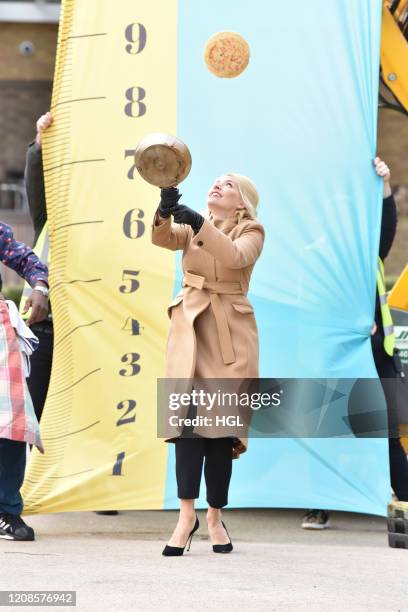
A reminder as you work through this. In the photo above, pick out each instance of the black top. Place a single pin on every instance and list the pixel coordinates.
(35, 188)
(34, 183)
(388, 231)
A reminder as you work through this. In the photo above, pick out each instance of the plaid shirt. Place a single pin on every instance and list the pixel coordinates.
(20, 258)
(17, 417)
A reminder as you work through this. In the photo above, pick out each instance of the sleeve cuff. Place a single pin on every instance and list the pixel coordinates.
(33, 146)
(39, 277)
(160, 222)
(204, 234)
(160, 227)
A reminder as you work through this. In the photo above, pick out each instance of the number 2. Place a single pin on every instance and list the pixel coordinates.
(124, 419)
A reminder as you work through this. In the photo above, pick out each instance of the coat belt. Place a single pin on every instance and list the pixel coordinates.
(215, 288)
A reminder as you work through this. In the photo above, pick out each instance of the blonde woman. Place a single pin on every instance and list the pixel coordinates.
(213, 334)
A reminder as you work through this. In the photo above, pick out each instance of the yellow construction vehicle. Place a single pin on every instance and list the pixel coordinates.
(394, 56)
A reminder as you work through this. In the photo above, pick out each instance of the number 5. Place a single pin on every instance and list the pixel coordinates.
(133, 282)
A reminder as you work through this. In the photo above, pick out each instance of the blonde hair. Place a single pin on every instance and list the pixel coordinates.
(249, 194)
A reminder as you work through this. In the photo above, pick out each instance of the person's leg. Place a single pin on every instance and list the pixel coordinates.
(189, 465)
(41, 362)
(12, 468)
(391, 382)
(398, 469)
(217, 472)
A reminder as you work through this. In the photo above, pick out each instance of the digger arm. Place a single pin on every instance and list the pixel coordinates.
(394, 51)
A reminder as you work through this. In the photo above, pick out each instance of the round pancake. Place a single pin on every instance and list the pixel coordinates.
(226, 54)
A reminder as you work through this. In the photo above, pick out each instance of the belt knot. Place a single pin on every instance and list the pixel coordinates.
(215, 289)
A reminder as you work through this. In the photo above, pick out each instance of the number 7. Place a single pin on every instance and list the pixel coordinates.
(131, 172)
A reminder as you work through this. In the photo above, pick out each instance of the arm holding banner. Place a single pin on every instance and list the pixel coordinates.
(34, 177)
(34, 182)
(389, 210)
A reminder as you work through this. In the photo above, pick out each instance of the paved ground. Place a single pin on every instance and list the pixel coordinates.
(116, 563)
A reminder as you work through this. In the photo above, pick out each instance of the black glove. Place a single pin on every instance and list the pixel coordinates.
(184, 214)
(169, 197)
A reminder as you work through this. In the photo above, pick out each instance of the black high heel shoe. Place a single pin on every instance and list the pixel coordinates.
(177, 551)
(223, 548)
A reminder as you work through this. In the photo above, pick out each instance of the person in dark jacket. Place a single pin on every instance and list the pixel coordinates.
(41, 360)
(388, 366)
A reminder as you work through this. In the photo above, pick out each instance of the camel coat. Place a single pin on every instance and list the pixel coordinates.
(213, 332)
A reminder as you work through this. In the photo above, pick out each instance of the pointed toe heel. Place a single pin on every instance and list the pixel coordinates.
(178, 551)
(223, 548)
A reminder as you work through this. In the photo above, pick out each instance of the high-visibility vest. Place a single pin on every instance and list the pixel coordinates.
(389, 336)
(42, 250)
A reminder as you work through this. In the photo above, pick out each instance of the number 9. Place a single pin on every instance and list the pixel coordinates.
(135, 33)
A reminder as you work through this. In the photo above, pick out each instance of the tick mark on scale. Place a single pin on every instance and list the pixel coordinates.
(85, 35)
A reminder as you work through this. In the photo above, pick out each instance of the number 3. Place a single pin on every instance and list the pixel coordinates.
(133, 367)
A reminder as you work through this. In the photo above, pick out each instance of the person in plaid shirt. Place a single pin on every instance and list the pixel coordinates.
(18, 424)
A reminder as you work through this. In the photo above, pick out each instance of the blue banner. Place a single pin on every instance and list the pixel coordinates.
(301, 122)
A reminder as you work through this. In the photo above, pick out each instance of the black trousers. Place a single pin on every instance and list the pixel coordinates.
(41, 362)
(389, 372)
(216, 455)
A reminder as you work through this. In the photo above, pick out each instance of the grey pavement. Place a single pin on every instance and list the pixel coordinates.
(115, 563)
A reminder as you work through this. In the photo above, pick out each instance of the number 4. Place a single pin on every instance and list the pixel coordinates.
(133, 326)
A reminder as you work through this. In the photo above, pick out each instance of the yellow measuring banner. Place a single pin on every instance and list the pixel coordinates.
(109, 285)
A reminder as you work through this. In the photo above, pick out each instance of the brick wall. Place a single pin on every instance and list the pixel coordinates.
(21, 103)
(25, 87)
(40, 65)
(25, 94)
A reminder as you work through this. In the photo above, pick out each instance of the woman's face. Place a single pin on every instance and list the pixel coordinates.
(224, 197)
